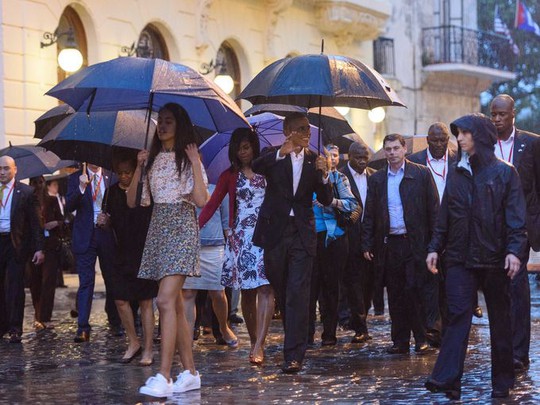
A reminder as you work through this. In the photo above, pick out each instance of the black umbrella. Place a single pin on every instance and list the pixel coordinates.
(318, 81)
(33, 161)
(51, 118)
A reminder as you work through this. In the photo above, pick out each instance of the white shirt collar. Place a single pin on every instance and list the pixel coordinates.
(10, 183)
(299, 155)
(402, 168)
(510, 138)
(91, 173)
(354, 172)
(431, 158)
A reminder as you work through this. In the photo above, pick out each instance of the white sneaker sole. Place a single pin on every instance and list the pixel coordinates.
(191, 387)
(148, 391)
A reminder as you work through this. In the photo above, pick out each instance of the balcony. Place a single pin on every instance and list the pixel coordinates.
(456, 50)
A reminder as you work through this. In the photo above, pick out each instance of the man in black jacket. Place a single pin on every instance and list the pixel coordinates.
(481, 228)
(21, 237)
(286, 229)
(521, 149)
(401, 210)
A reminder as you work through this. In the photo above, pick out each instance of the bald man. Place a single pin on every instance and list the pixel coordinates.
(522, 149)
(21, 238)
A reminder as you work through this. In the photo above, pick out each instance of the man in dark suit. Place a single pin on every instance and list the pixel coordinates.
(286, 229)
(522, 149)
(359, 276)
(90, 240)
(439, 159)
(401, 211)
(21, 237)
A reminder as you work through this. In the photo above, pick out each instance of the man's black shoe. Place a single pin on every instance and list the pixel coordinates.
(520, 365)
(421, 348)
(397, 349)
(360, 338)
(15, 337)
(82, 337)
(500, 393)
(291, 367)
(329, 342)
(477, 312)
(235, 319)
(116, 330)
(74, 313)
(450, 392)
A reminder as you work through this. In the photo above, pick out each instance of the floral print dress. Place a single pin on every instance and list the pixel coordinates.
(244, 267)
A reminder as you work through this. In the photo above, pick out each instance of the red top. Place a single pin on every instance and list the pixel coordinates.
(225, 184)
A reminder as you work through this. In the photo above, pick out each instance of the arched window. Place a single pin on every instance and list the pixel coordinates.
(227, 64)
(151, 44)
(71, 20)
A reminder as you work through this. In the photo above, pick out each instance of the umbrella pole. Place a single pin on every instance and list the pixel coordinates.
(319, 135)
(143, 171)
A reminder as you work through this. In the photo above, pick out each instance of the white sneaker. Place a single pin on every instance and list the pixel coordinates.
(157, 386)
(187, 382)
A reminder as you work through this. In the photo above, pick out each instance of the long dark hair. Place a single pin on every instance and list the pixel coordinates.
(185, 134)
(238, 136)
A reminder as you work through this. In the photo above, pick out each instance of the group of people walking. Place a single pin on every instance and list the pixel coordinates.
(290, 228)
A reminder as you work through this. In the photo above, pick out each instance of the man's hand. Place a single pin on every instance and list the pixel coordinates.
(83, 181)
(287, 147)
(38, 258)
(322, 163)
(103, 220)
(368, 256)
(512, 264)
(355, 216)
(431, 262)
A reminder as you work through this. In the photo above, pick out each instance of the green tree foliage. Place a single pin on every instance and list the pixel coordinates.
(525, 89)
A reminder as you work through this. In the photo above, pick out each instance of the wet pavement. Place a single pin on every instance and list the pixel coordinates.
(48, 368)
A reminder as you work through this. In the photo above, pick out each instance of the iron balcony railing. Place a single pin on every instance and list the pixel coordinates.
(383, 52)
(453, 44)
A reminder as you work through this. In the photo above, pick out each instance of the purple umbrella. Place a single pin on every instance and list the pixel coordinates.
(269, 127)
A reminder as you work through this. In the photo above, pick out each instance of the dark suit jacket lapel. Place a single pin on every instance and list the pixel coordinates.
(289, 173)
(354, 188)
(15, 197)
(519, 148)
(308, 161)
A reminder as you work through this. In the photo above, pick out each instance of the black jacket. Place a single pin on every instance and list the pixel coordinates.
(482, 217)
(279, 199)
(420, 205)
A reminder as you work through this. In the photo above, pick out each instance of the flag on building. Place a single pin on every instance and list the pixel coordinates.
(501, 28)
(524, 20)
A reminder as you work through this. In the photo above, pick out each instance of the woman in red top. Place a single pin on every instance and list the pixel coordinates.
(243, 267)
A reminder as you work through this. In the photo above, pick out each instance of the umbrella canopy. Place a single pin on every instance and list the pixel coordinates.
(51, 118)
(269, 128)
(140, 83)
(94, 138)
(335, 127)
(414, 144)
(33, 161)
(320, 80)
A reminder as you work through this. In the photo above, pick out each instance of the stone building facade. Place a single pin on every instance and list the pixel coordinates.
(243, 36)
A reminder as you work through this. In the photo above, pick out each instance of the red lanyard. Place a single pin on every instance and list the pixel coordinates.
(443, 175)
(2, 205)
(97, 189)
(510, 154)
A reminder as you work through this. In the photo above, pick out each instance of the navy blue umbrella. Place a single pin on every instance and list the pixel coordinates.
(140, 83)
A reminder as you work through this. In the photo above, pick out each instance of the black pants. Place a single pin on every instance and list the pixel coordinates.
(520, 298)
(288, 267)
(11, 288)
(327, 271)
(43, 280)
(461, 289)
(402, 279)
(359, 283)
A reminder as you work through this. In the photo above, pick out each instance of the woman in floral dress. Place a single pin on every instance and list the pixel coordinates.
(177, 183)
(244, 266)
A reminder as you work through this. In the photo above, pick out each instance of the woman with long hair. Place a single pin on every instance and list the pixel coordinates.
(244, 266)
(176, 183)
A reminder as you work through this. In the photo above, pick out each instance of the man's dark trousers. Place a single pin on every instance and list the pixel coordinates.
(102, 247)
(288, 267)
(461, 290)
(12, 288)
(404, 291)
(520, 294)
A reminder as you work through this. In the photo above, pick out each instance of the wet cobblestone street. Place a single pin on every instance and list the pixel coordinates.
(48, 368)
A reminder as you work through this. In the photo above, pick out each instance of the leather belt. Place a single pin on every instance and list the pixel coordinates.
(398, 236)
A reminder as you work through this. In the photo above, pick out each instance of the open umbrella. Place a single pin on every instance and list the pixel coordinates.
(140, 83)
(269, 128)
(51, 118)
(96, 137)
(318, 81)
(34, 160)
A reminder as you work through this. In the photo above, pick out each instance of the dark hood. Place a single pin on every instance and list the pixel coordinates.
(484, 135)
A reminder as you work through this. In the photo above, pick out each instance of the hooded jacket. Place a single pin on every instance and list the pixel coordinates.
(482, 215)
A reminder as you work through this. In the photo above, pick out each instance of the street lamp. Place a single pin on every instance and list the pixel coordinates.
(70, 58)
(222, 79)
(376, 115)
